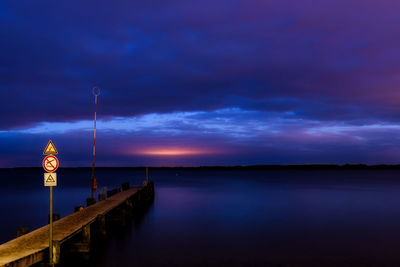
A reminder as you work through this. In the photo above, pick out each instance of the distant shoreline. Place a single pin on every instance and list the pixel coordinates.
(254, 167)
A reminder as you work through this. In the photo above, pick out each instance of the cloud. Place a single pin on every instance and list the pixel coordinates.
(169, 57)
(277, 81)
(227, 137)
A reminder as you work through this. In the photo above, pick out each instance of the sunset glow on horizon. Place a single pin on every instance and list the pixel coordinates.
(173, 152)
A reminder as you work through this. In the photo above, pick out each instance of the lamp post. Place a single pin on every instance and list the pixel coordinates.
(96, 92)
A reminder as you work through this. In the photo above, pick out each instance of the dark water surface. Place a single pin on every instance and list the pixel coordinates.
(229, 218)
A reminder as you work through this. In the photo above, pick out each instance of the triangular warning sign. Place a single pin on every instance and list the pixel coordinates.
(50, 179)
(50, 149)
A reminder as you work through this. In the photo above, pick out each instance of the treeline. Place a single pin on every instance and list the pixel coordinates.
(263, 167)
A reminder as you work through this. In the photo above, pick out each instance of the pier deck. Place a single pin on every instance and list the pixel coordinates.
(33, 247)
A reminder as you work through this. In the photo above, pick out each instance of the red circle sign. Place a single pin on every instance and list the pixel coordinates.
(50, 163)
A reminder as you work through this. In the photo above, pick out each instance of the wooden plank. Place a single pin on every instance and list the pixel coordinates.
(30, 248)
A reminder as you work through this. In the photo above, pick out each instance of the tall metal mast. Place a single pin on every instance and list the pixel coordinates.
(96, 92)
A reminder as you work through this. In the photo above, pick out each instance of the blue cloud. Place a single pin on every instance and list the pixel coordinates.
(259, 77)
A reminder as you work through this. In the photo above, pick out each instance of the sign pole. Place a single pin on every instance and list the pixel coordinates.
(51, 227)
(96, 92)
(50, 165)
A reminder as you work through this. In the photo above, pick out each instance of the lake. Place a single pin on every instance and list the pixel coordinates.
(229, 217)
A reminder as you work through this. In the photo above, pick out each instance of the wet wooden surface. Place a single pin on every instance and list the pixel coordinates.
(32, 246)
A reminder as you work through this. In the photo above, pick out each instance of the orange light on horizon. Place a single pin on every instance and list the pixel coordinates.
(173, 152)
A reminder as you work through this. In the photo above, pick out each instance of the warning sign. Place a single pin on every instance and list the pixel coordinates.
(50, 149)
(50, 163)
(50, 179)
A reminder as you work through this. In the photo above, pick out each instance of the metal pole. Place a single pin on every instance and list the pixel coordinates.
(96, 92)
(147, 176)
(51, 228)
(94, 141)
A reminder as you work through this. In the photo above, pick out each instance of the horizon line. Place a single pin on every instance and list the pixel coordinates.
(266, 166)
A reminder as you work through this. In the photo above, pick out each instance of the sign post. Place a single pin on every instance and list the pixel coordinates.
(51, 228)
(50, 165)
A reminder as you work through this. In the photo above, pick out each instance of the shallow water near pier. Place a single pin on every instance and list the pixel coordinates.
(229, 218)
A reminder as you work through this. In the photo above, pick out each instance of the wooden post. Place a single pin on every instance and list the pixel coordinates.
(123, 215)
(84, 245)
(147, 176)
(101, 222)
(102, 197)
(118, 215)
(128, 207)
(86, 234)
(22, 231)
(90, 201)
(56, 252)
(125, 186)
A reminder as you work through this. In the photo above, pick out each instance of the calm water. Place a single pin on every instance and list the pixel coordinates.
(230, 218)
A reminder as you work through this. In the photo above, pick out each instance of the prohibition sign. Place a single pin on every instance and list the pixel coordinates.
(50, 163)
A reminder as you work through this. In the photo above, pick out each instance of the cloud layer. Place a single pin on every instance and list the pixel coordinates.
(221, 137)
(250, 82)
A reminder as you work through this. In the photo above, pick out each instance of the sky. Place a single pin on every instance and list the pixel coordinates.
(195, 83)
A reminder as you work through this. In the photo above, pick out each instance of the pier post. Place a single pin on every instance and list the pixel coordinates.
(125, 186)
(83, 246)
(56, 252)
(78, 208)
(119, 215)
(122, 215)
(101, 223)
(102, 197)
(22, 231)
(90, 201)
(129, 206)
(86, 234)
(147, 176)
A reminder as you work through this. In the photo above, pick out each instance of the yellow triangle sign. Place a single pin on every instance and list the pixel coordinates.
(50, 149)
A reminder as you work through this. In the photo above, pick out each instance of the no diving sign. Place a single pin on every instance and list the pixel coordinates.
(50, 163)
(50, 179)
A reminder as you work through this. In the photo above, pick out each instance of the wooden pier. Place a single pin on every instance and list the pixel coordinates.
(33, 247)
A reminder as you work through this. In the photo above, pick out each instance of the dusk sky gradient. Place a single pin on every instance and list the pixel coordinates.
(194, 83)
